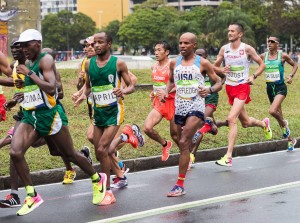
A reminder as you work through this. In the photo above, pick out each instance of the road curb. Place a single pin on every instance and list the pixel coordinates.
(154, 162)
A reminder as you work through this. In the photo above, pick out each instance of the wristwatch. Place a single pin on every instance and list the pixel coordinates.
(29, 73)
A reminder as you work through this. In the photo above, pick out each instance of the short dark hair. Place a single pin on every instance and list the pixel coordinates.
(274, 37)
(107, 36)
(165, 45)
(239, 25)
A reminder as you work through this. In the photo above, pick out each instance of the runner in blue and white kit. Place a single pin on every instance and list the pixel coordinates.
(186, 73)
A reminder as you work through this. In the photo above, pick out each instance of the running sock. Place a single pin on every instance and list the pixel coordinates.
(14, 192)
(30, 191)
(95, 178)
(180, 180)
(121, 165)
(124, 137)
(206, 128)
(166, 143)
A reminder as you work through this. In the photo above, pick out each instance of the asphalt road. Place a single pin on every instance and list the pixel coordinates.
(258, 188)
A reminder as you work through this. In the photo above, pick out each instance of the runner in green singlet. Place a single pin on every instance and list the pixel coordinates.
(276, 87)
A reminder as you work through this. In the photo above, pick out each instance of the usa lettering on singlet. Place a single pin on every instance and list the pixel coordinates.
(187, 80)
(239, 64)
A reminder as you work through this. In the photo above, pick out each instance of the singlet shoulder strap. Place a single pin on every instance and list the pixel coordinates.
(197, 61)
(179, 59)
(266, 56)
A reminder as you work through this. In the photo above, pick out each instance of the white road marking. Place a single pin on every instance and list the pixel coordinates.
(199, 203)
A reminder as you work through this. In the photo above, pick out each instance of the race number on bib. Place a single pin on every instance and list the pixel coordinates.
(187, 89)
(207, 81)
(32, 97)
(159, 86)
(272, 73)
(236, 73)
(104, 96)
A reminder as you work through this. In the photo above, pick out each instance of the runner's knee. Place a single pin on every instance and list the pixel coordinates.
(272, 112)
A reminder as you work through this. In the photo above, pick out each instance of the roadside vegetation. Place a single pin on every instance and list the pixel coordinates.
(138, 106)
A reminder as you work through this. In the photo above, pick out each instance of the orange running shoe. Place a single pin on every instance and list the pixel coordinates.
(132, 139)
(166, 151)
(108, 199)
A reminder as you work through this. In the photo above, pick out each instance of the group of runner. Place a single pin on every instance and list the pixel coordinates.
(185, 92)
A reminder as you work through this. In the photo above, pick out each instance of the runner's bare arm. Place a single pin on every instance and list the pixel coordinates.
(48, 85)
(289, 60)
(217, 64)
(7, 70)
(207, 68)
(250, 51)
(4, 66)
(170, 84)
(60, 90)
(123, 72)
(82, 94)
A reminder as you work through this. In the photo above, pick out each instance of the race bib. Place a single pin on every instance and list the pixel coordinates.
(90, 99)
(159, 86)
(104, 96)
(207, 81)
(187, 89)
(32, 98)
(236, 73)
(272, 73)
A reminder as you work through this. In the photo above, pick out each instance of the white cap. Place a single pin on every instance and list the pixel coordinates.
(28, 35)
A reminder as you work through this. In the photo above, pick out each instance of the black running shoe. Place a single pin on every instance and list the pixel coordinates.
(11, 201)
(87, 153)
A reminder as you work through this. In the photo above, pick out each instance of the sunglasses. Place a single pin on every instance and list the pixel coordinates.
(89, 44)
(272, 41)
(16, 46)
(199, 54)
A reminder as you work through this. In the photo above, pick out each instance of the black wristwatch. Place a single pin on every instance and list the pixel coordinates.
(29, 73)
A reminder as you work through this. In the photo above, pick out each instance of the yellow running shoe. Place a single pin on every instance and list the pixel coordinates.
(225, 161)
(30, 204)
(69, 177)
(99, 189)
(192, 156)
(267, 129)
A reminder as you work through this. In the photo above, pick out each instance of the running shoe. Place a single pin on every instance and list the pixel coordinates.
(10, 132)
(137, 132)
(11, 201)
(108, 199)
(190, 164)
(119, 183)
(225, 161)
(267, 129)
(196, 136)
(124, 169)
(291, 144)
(87, 153)
(99, 189)
(286, 132)
(132, 139)
(69, 177)
(166, 151)
(30, 204)
(176, 191)
(214, 128)
(192, 156)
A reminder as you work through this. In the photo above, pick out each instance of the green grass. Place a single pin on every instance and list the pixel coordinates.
(137, 108)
